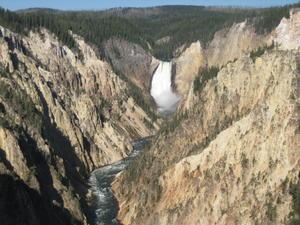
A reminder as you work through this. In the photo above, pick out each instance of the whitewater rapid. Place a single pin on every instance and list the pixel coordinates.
(161, 89)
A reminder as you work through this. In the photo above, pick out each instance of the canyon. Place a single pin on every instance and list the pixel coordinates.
(62, 118)
(235, 154)
(221, 121)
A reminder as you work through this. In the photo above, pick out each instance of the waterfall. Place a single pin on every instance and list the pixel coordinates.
(161, 89)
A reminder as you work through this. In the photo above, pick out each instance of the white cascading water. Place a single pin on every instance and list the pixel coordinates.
(161, 89)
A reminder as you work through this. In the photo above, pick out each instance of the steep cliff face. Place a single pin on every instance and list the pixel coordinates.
(132, 61)
(232, 43)
(231, 158)
(62, 115)
(228, 44)
(288, 32)
(230, 155)
(186, 67)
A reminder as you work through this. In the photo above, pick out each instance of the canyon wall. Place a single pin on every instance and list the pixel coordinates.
(63, 113)
(187, 66)
(232, 156)
(228, 45)
(229, 156)
(132, 61)
(232, 43)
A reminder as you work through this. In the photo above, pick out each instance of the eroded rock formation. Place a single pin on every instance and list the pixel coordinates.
(234, 156)
(63, 114)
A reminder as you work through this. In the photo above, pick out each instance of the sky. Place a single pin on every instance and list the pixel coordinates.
(105, 4)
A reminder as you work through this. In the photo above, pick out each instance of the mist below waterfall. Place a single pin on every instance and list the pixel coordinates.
(161, 89)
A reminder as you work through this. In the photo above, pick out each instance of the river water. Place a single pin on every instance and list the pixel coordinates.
(105, 204)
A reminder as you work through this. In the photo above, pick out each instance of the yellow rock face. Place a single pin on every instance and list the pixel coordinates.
(233, 43)
(232, 159)
(187, 66)
(88, 119)
(287, 33)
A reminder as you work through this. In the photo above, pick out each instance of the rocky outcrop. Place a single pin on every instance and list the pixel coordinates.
(63, 113)
(229, 156)
(163, 40)
(288, 32)
(228, 45)
(232, 43)
(187, 66)
(233, 157)
(132, 61)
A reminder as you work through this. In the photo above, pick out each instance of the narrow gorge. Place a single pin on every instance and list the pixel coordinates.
(169, 115)
(105, 204)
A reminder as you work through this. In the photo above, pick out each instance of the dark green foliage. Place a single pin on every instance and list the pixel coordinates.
(134, 168)
(136, 93)
(3, 72)
(105, 104)
(22, 105)
(171, 124)
(245, 161)
(203, 77)
(271, 211)
(103, 107)
(295, 192)
(183, 24)
(298, 63)
(257, 53)
(148, 124)
(14, 60)
(22, 23)
(265, 20)
(96, 29)
(268, 19)
(260, 51)
(294, 222)
(117, 52)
